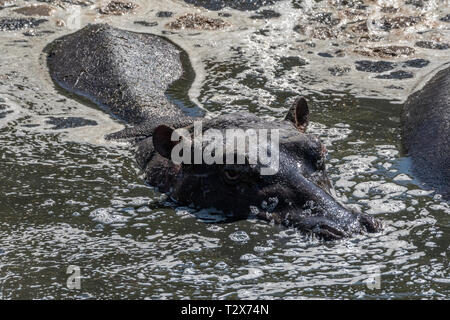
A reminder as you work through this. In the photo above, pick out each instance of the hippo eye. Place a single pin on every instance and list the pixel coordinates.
(231, 175)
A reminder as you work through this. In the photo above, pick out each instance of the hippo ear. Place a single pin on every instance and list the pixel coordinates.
(298, 114)
(162, 140)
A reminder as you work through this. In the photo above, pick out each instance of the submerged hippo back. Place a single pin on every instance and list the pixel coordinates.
(125, 71)
(426, 131)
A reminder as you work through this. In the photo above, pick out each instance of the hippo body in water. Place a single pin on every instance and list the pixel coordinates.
(129, 73)
(426, 131)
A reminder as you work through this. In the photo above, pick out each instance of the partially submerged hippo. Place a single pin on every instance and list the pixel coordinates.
(129, 73)
(426, 132)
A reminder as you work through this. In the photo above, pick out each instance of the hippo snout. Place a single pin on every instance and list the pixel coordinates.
(314, 210)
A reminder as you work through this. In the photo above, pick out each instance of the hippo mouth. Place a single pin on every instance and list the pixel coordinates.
(325, 227)
(328, 229)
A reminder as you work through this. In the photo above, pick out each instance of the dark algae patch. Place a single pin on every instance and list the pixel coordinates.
(164, 14)
(4, 110)
(70, 122)
(265, 14)
(432, 45)
(36, 10)
(374, 66)
(325, 18)
(12, 24)
(234, 4)
(398, 75)
(146, 23)
(82, 3)
(287, 63)
(325, 55)
(338, 71)
(416, 63)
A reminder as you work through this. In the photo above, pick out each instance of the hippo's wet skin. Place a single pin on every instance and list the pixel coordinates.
(125, 72)
(426, 132)
(129, 73)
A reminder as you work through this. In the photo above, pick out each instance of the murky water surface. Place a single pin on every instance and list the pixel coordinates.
(68, 197)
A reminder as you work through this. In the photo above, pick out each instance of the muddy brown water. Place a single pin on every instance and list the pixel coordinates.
(70, 198)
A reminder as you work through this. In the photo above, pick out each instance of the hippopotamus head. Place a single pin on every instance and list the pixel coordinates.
(292, 188)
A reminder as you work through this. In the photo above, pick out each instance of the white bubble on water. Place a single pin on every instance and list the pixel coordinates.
(247, 257)
(239, 236)
(221, 265)
(144, 209)
(378, 206)
(107, 216)
(402, 177)
(253, 273)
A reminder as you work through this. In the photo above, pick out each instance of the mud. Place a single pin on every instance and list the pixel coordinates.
(118, 8)
(42, 10)
(385, 51)
(390, 23)
(198, 22)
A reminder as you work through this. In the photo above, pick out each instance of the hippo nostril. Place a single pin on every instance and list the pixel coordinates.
(370, 223)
